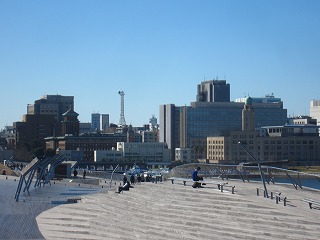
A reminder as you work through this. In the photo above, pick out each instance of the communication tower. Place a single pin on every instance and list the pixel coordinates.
(122, 121)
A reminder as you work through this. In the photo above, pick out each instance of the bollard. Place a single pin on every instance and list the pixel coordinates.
(277, 199)
(271, 195)
(221, 188)
(232, 189)
(102, 186)
(285, 201)
(54, 182)
(6, 177)
(257, 191)
(79, 184)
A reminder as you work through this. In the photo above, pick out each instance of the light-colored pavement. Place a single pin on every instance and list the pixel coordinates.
(18, 219)
(174, 211)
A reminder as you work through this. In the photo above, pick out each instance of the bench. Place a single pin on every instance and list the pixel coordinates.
(220, 184)
(311, 202)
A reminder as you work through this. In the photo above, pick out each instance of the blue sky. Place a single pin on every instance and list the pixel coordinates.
(156, 52)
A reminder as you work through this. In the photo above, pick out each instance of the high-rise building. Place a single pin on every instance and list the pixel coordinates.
(295, 143)
(51, 105)
(170, 126)
(315, 110)
(99, 121)
(104, 121)
(213, 91)
(189, 126)
(95, 121)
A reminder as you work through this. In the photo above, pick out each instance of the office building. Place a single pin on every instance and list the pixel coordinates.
(213, 91)
(51, 105)
(152, 154)
(189, 126)
(315, 110)
(99, 121)
(298, 144)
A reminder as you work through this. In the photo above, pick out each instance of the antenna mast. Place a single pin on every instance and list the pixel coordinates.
(122, 121)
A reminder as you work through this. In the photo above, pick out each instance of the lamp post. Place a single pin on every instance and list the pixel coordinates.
(260, 169)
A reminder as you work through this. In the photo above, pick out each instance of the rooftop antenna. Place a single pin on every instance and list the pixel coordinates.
(122, 121)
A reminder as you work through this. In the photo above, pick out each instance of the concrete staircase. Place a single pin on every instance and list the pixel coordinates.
(172, 211)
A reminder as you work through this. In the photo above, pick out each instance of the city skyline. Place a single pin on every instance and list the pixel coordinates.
(156, 52)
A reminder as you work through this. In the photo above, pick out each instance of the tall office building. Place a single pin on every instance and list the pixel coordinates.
(51, 105)
(315, 110)
(104, 121)
(99, 121)
(213, 91)
(189, 126)
(170, 126)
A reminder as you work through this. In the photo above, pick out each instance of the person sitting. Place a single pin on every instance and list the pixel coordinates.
(196, 178)
(125, 187)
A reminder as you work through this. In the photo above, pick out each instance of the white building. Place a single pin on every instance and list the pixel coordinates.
(315, 110)
(183, 155)
(149, 153)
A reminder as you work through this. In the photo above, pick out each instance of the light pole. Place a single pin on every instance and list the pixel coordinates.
(260, 169)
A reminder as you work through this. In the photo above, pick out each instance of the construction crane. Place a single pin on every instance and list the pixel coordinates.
(122, 121)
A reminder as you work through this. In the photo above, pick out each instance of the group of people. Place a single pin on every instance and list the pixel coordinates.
(75, 173)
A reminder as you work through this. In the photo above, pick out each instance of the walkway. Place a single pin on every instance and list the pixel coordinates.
(18, 219)
(172, 211)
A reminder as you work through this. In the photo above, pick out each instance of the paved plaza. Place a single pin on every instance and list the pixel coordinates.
(157, 211)
(18, 219)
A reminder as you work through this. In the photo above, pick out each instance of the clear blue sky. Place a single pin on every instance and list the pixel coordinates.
(156, 52)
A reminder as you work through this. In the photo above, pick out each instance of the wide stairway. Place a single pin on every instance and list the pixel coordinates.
(173, 211)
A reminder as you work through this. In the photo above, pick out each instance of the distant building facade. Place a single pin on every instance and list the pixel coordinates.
(84, 127)
(150, 154)
(299, 144)
(51, 105)
(189, 126)
(315, 110)
(35, 128)
(213, 91)
(183, 155)
(88, 143)
(99, 121)
(302, 120)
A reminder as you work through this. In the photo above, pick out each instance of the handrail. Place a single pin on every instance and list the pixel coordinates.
(111, 178)
(272, 174)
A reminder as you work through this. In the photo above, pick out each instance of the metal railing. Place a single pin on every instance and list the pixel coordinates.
(250, 173)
